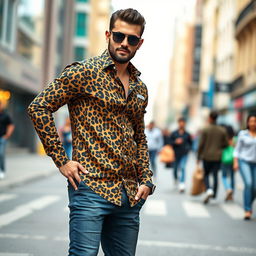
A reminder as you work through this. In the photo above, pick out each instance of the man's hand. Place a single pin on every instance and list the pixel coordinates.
(143, 192)
(71, 171)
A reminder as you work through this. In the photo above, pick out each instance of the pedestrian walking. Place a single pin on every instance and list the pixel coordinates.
(109, 176)
(212, 141)
(181, 142)
(166, 141)
(155, 143)
(6, 130)
(66, 135)
(245, 161)
(227, 159)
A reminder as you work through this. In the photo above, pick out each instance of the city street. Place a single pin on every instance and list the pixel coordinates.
(34, 221)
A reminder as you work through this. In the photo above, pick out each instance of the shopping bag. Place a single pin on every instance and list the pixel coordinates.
(198, 186)
(166, 154)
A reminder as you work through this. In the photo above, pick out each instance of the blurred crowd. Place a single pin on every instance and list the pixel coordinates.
(217, 147)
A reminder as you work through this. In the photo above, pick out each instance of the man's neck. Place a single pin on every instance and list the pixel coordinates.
(121, 69)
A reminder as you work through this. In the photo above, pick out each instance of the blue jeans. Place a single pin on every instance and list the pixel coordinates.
(68, 148)
(152, 158)
(93, 220)
(248, 173)
(228, 176)
(2, 154)
(180, 163)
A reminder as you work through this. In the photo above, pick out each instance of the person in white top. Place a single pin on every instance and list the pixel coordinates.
(155, 143)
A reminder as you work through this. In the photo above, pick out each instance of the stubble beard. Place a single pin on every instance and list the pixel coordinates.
(118, 59)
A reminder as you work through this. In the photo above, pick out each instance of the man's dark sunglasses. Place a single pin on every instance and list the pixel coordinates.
(119, 37)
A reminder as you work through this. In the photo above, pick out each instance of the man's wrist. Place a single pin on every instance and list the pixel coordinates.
(151, 186)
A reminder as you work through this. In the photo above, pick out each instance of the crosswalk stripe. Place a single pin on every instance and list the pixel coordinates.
(155, 207)
(26, 209)
(234, 211)
(14, 254)
(195, 210)
(6, 197)
(201, 247)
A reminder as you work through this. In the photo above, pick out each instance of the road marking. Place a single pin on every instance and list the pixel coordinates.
(155, 207)
(20, 236)
(202, 247)
(14, 254)
(148, 243)
(26, 209)
(233, 210)
(195, 210)
(6, 197)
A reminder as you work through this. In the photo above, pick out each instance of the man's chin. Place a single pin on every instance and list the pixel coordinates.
(121, 60)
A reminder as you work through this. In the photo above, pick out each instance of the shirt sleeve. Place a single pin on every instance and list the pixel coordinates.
(201, 145)
(144, 173)
(8, 120)
(58, 93)
(160, 140)
(238, 146)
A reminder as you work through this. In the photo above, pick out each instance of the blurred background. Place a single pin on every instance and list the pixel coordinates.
(197, 55)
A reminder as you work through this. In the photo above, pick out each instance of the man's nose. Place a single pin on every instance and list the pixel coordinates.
(125, 42)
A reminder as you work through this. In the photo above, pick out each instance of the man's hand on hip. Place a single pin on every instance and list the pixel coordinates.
(143, 192)
(71, 171)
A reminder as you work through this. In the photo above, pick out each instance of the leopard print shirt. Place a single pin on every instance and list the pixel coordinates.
(107, 129)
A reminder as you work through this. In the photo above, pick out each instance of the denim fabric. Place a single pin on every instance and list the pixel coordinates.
(248, 173)
(152, 158)
(211, 167)
(180, 163)
(228, 178)
(94, 220)
(2, 154)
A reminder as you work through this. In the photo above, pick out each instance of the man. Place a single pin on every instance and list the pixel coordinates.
(213, 140)
(109, 176)
(155, 143)
(181, 142)
(6, 130)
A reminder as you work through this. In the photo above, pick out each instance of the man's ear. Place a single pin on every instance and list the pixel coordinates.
(107, 34)
(140, 43)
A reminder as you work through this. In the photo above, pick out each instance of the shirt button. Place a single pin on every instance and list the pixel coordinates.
(123, 126)
(125, 156)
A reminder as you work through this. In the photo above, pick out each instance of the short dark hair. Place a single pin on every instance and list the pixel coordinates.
(248, 119)
(130, 16)
(213, 115)
(182, 119)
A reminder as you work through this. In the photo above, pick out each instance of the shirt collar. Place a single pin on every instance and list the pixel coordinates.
(107, 62)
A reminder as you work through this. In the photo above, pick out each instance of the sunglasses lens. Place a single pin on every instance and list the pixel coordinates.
(118, 37)
(133, 40)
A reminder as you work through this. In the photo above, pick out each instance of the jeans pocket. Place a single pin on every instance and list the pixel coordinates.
(141, 202)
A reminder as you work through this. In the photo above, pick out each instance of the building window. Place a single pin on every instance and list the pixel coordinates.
(1, 18)
(81, 24)
(80, 53)
(30, 30)
(7, 22)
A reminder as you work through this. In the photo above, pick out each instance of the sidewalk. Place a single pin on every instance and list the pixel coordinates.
(25, 167)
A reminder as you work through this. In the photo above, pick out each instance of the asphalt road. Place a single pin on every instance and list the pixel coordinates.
(34, 221)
